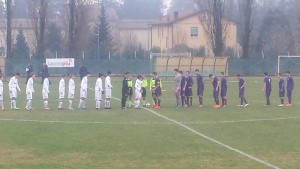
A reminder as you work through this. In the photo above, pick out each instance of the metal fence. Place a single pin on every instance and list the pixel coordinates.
(248, 67)
(94, 66)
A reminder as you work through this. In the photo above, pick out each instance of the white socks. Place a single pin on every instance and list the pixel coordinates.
(107, 103)
(61, 105)
(45, 104)
(81, 104)
(98, 104)
(70, 104)
(29, 104)
(137, 104)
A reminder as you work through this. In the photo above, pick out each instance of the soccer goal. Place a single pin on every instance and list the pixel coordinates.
(288, 63)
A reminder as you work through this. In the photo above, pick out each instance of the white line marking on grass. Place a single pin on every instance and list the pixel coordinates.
(146, 123)
(210, 139)
(240, 121)
(85, 122)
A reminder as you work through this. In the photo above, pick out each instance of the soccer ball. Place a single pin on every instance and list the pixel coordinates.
(148, 105)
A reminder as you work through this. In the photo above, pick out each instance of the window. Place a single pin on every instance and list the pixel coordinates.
(194, 32)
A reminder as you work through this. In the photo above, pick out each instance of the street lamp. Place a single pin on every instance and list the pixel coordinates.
(98, 50)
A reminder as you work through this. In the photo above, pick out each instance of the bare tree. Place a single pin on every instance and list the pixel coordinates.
(38, 10)
(76, 26)
(246, 7)
(8, 5)
(213, 24)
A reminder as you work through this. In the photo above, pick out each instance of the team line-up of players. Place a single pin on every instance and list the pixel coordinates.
(182, 90)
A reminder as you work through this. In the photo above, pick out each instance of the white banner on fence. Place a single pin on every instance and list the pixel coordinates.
(62, 62)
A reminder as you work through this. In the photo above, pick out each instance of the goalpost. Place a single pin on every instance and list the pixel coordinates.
(279, 62)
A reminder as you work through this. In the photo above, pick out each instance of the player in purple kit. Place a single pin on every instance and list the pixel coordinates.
(182, 89)
(224, 89)
(267, 87)
(242, 84)
(281, 90)
(189, 89)
(215, 84)
(289, 87)
(156, 90)
(200, 87)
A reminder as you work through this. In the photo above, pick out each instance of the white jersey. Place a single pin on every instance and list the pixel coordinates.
(1, 90)
(29, 86)
(138, 85)
(84, 83)
(62, 86)
(13, 84)
(98, 85)
(71, 86)
(46, 86)
(108, 83)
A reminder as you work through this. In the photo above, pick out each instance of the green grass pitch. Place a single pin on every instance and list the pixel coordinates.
(141, 139)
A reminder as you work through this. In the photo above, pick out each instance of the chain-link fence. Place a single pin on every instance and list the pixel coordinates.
(248, 67)
(94, 66)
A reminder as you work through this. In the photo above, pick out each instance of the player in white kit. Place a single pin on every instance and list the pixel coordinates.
(83, 91)
(46, 91)
(98, 91)
(138, 91)
(71, 91)
(108, 88)
(29, 91)
(13, 86)
(61, 92)
(1, 94)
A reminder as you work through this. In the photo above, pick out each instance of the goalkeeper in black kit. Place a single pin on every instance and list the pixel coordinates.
(125, 89)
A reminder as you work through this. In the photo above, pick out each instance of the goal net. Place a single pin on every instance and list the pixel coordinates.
(288, 63)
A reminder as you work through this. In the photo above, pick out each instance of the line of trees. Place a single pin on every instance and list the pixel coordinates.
(269, 27)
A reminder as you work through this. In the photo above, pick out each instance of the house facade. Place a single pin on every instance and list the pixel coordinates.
(188, 28)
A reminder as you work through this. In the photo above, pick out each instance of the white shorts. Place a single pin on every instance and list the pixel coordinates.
(13, 94)
(108, 93)
(98, 95)
(71, 95)
(29, 95)
(138, 94)
(83, 93)
(61, 95)
(45, 95)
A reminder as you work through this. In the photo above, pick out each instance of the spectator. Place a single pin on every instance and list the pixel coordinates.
(29, 70)
(82, 71)
(45, 72)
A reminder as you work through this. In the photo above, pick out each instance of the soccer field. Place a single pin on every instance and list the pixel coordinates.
(255, 137)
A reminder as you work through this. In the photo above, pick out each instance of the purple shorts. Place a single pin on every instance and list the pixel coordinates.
(241, 93)
(216, 94)
(223, 92)
(189, 92)
(281, 93)
(200, 92)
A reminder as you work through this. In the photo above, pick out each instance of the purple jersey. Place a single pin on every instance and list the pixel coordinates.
(290, 83)
(223, 83)
(215, 84)
(157, 91)
(281, 88)
(200, 84)
(189, 82)
(268, 82)
(281, 85)
(241, 90)
(183, 82)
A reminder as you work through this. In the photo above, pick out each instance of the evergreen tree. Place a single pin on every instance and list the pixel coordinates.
(54, 42)
(105, 40)
(21, 49)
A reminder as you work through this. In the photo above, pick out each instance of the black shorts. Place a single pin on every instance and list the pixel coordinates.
(144, 92)
(130, 91)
